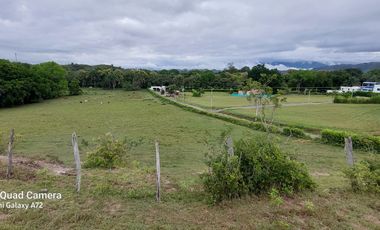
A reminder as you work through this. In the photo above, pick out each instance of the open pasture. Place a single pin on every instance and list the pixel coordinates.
(224, 99)
(351, 117)
(124, 198)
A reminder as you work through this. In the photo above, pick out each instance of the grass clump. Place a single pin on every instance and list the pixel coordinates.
(258, 166)
(108, 153)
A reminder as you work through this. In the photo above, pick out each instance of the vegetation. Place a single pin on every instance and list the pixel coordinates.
(258, 167)
(357, 100)
(363, 118)
(108, 153)
(222, 100)
(22, 83)
(295, 132)
(365, 176)
(125, 197)
(231, 78)
(369, 143)
(197, 93)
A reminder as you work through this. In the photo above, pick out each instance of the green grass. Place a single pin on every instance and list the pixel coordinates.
(351, 117)
(223, 99)
(124, 198)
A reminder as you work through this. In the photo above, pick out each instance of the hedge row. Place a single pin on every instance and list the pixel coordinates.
(242, 122)
(357, 100)
(295, 132)
(365, 142)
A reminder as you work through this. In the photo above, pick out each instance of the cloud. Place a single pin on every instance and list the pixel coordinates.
(189, 34)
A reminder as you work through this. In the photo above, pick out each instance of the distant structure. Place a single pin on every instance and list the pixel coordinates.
(371, 87)
(347, 89)
(366, 87)
(161, 89)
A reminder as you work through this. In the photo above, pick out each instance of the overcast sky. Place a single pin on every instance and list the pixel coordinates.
(189, 33)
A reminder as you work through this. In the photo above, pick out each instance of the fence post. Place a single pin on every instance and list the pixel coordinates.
(158, 179)
(230, 146)
(74, 142)
(10, 154)
(348, 149)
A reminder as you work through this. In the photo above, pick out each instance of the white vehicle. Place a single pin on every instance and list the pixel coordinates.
(346, 89)
(371, 87)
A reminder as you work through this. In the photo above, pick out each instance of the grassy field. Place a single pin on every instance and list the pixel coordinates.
(223, 99)
(351, 117)
(124, 198)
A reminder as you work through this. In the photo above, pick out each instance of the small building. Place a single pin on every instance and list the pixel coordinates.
(371, 87)
(347, 89)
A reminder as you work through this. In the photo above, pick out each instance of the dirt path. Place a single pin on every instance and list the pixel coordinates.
(57, 169)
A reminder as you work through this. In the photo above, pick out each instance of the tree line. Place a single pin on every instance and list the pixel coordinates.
(22, 83)
(110, 77)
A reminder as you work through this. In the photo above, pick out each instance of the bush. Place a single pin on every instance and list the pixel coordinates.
(108, 153)
(357, 100)
(257, 167)
(225, 180)
(359, 141)
(363, 94)
(365, 176)
(295, 132)
(197, 93)
(74, 87)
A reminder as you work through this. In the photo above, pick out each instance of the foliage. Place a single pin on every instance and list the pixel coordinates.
(275, 197)
(363, 94)
(74, 87)
(197, 93)
(225, 180)
(357, 100)
(22, 83)
(360, 141)
(108, 153)
(295, 132)
(258, 166)
(365, 176)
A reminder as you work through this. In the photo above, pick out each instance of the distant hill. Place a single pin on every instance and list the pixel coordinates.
(365, 67)
(298, 64)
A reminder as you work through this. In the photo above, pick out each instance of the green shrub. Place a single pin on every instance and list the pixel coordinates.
(258, 166)
(197, 93)
(365, 142)
(224, 181)
(357, 100)
(108, 153)
(363, 94)
(365, 176)
(295, 132)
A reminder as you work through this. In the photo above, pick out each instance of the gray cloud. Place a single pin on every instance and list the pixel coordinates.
(189, 34)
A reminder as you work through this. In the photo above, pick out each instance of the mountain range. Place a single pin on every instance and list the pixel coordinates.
(365, 67)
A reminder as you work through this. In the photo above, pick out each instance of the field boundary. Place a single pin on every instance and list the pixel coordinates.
(276, 129)
(234, 120)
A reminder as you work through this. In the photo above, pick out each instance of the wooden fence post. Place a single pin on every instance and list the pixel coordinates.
(230, 146)
(74, 142)
(10, 154)
(158, 179)
(348, 149)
